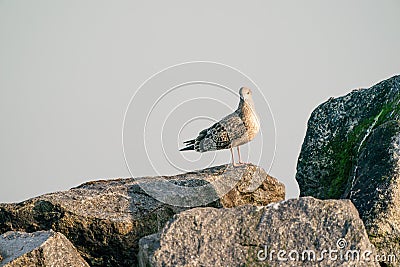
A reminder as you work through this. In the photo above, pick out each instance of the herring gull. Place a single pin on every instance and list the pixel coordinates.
(234, 130)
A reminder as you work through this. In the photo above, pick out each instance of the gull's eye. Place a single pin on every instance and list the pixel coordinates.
(248, 93)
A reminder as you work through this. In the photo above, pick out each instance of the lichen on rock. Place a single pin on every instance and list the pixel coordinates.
(351, 150)
(376, 187)
(336, 131)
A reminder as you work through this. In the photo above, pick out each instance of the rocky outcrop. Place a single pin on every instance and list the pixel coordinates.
(296, 232)
(351, 150)
(376, 187)
(106, 219)
(44, 248)
(337, 131)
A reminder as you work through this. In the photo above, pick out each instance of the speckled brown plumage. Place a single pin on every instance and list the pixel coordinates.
(234, 130)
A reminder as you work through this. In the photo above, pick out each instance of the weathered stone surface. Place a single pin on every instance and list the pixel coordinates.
(351, 150)
(376, 187)
(147, 246)
(106, 219)
(43, 248)
(238, 236)
(336, 131)
(253, 186)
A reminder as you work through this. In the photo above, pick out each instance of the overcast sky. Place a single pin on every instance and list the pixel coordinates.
(69, 68)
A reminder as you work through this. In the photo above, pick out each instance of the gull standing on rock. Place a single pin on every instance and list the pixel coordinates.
(234, 130)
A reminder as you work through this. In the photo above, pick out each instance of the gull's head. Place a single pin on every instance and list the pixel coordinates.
(245, 93)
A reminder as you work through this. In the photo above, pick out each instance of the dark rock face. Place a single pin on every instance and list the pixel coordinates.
(351, 150)
(336, 132)
(247, 235)
(43, 248)
(376, 187)
(106, 219)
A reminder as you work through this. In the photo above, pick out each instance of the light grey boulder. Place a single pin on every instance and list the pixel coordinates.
(43, 248)
(307, 231)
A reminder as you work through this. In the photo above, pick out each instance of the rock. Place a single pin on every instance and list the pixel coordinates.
(43, 248)
(375, 190)
(254, 186)
(147, 246)
(336, 132)
(106, 219)
(351, 150)
(249, 235)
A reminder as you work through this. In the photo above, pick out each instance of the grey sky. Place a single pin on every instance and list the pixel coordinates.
(69, 68)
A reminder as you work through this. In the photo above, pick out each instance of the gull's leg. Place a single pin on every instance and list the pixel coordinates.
(233, 158)
(238, 150)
